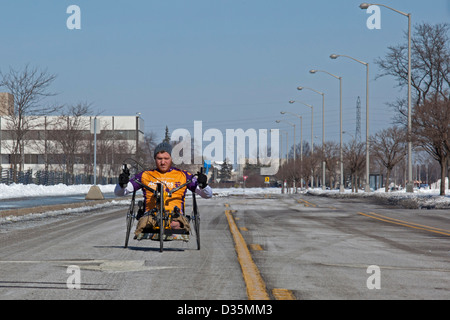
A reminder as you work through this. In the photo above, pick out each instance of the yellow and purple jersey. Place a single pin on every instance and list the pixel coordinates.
(170, 180)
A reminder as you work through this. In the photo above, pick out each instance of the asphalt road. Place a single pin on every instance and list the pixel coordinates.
(255, 247)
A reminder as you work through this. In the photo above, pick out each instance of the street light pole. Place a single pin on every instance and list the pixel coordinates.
(301, 143)
(287, 143)
(409, 184)
(335, 56)
(95, 151)
(323, 133)
(312, 135)
(281, 155)
(341, 187)
(292, 124)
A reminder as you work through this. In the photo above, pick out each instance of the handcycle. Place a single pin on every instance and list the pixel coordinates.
(163, 231)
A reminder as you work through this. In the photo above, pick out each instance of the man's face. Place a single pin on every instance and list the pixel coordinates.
(163, 161)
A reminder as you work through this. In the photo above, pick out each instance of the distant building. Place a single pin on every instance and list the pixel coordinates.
(6, 104)
(62, 143)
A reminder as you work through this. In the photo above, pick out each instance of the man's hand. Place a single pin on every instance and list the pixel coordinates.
(124, 178)
(202, 180)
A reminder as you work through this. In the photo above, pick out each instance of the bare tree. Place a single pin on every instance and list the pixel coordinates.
(331, 150)
(431, 131)
(289, 173)
(430, 63)
(148, 147)
(355, 159)
(68, 135)
(29, 87)
(389, 148)
(431, 83)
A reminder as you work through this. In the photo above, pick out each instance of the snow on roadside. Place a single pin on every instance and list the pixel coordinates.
(419, 199)
(31, 190)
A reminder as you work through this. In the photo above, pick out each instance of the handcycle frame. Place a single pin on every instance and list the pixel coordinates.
(164, 217)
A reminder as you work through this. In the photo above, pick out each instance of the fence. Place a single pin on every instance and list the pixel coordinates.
(49, 178)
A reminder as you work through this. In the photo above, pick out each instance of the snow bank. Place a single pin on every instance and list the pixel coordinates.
(421, 199)
(31, 190)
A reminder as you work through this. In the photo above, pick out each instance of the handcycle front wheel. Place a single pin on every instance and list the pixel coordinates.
(197, 230)
(129, 220)
(161, 217)
(196, 221)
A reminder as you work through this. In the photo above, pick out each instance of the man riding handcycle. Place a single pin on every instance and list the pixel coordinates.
(173, 182)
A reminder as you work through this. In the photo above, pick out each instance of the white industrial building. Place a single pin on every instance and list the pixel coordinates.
(66, 143)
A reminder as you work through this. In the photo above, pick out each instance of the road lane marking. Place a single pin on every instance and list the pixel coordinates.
(283, 294)
(255, 247)
(303, 203)
(412, 225)
(256, 288)
(306, 203)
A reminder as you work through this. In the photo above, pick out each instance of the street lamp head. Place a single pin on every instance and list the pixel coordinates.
(312, 71)
(364, 5)
(334, 56)
(277, 121)
(291, 102)
(283, 112)
(300, 88)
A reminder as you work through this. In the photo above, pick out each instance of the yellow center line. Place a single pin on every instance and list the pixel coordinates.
(306, 203)
(283, 294)
(301, 202)
(405, 223)
(411, 223)
(255, 247)
(256, 288)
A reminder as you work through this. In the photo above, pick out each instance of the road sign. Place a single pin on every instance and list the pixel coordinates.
(207, 165)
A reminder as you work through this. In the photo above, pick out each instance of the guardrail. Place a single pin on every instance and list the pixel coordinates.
(48, 178)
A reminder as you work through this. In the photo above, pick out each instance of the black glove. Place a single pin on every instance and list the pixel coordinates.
(202, 180)
(124, 177)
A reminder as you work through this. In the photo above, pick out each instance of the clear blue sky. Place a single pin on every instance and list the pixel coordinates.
(232, 64)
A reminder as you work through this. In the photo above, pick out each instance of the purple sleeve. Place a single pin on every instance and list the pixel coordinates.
(193, 185)
(137, 177)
